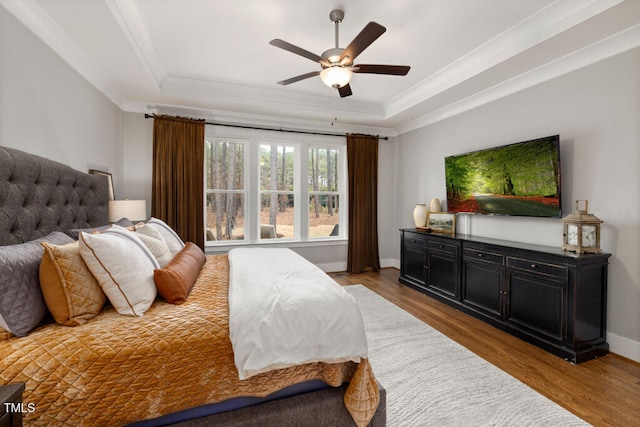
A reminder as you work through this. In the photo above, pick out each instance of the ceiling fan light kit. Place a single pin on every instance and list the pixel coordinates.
(336, 76)
(337, 63)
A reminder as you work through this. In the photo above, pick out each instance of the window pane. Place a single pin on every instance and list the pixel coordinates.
(225, 216)
(324, 216)
(277, 167)
(224, 162)
(323, 169)
(277, 216)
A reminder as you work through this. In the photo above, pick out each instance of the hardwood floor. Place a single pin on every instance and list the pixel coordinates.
(603, 392)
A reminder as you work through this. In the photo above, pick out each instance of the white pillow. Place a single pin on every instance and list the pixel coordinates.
(123, 266)
(171, 237)
(154, 241)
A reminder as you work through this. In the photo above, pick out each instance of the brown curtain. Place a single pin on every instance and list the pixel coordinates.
(362, 157)
(178, 164)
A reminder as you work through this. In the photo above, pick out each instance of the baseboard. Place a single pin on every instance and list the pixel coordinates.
(395, 263)
(335, 267)
(624, 346)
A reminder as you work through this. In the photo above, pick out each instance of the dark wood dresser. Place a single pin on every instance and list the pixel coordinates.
(553, 299)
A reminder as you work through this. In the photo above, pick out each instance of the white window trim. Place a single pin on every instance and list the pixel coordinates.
(253, 139)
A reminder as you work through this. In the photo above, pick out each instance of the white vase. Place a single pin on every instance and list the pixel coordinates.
(434, 205)
(420, 215)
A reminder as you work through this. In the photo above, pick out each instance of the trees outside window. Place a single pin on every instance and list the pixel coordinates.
(259, 191)
(324, 191)
(277, 191)
(225, 190)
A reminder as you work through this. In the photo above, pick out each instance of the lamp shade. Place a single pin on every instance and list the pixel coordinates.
(336, 76)
(134, 210)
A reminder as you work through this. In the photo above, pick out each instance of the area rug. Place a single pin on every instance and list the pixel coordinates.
(434, 381)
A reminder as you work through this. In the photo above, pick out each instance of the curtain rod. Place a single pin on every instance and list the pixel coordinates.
(386, 138)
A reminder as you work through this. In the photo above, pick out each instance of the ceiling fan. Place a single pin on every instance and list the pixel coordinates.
(337, 63)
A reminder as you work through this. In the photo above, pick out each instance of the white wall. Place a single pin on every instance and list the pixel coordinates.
(388, 234)
(48, 109)
(596, 112)
(137, 158)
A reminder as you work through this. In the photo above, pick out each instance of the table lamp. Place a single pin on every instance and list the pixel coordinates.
(133, 210)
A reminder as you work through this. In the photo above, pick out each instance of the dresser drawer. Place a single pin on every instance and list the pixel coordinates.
(537, 267)
(438, 245)
(490, 257)
(415, 239)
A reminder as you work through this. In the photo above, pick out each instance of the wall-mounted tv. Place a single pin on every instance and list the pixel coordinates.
(516, 179)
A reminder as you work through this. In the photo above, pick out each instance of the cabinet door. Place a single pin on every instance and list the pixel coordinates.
(536, 303)
(482, 287)
(442, 273)
(483, 281)
(413, 262)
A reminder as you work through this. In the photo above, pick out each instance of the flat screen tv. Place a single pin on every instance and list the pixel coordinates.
(517, 179)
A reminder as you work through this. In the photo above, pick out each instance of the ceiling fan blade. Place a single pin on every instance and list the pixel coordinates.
(394, 70)
(298, 78)
(295, 49)
(368, 35)
(345, 91)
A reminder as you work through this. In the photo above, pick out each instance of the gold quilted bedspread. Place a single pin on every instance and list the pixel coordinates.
(117, 369)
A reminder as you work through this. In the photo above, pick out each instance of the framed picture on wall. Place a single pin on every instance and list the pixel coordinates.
(112, 195)
(442, 222)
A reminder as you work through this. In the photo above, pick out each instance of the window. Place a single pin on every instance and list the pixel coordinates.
(277, 191)
(288, 189)
(225, 190)
(324, 191)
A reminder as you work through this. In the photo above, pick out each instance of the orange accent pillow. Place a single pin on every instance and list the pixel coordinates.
(70, 291)
(174, 282)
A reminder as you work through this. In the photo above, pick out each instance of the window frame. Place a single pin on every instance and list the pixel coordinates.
(253, 139)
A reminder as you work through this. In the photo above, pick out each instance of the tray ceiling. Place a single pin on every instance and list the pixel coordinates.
(212, 58)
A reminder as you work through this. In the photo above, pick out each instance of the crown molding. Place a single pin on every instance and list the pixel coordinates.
(276, 102)
(129, 17)
(616, 44)
(35, 19)
(258, 119)
(553, 20)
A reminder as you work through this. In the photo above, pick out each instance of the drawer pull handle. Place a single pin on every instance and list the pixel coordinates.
(479, 255)
(534, 266)
(441, 246)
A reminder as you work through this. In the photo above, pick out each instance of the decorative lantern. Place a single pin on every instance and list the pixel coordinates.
(581, 231)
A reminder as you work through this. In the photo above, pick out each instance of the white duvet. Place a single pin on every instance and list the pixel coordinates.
(285, 311)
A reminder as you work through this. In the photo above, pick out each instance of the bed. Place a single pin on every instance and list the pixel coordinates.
(174, 364)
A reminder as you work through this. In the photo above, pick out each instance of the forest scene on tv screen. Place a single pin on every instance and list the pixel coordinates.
(517, 179)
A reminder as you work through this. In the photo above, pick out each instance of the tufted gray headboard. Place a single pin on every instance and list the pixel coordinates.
(38, 196)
